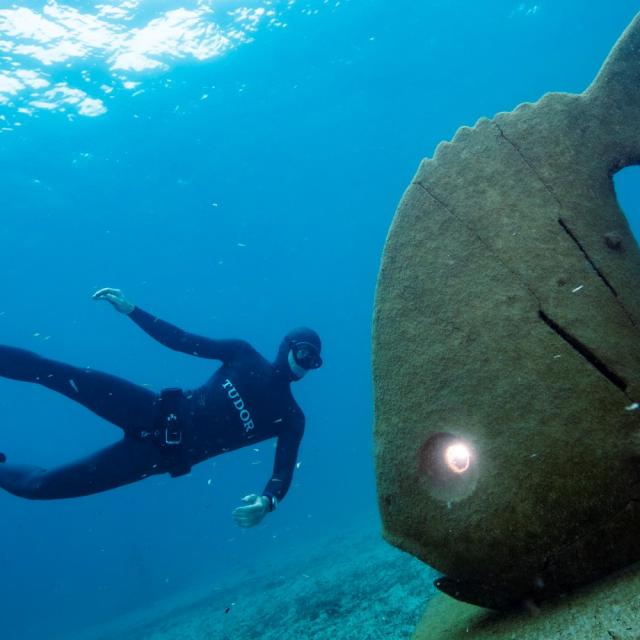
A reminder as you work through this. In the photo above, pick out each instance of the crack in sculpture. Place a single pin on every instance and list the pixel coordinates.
(479, 237)
(562, 222)
(599, 273)
(585, 352)
(528, 163)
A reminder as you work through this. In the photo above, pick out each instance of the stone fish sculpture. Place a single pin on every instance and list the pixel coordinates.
(507, 349)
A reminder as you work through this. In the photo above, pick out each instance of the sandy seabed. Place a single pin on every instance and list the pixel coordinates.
(357, 588)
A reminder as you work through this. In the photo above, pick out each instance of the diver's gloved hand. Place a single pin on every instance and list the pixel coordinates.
(116, 298)
(251, 515)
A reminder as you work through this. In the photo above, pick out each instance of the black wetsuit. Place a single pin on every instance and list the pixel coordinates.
(246, 401)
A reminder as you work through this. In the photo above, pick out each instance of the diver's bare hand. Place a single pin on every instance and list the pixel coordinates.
(116, 298)
(252, 514)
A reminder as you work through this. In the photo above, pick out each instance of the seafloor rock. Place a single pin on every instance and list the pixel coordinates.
(606, 611)
(506, 320)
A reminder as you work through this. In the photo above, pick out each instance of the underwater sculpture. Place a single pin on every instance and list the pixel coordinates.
(507, 349)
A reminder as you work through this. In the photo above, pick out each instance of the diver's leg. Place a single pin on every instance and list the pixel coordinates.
(123, 403)
(124, 462)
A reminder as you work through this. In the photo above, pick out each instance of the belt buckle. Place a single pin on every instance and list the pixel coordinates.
(172, 436)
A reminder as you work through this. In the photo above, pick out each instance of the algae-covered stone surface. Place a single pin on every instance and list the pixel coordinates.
(507, 351)
(606, 611)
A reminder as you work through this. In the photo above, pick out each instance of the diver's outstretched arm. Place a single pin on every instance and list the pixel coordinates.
(171, 336)
(257, 507)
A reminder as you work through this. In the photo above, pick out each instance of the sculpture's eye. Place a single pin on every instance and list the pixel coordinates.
(458, 457)
(448, 467)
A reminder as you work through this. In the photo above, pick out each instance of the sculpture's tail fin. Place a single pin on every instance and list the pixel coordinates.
(617, 90)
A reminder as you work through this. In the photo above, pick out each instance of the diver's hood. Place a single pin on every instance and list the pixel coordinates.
(301, 334)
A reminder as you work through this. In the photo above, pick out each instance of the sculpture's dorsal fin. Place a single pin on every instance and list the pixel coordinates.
(617, 89)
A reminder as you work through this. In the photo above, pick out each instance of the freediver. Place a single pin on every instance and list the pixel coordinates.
(246, 400)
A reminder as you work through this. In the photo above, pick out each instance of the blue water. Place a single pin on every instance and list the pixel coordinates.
(235, 192)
